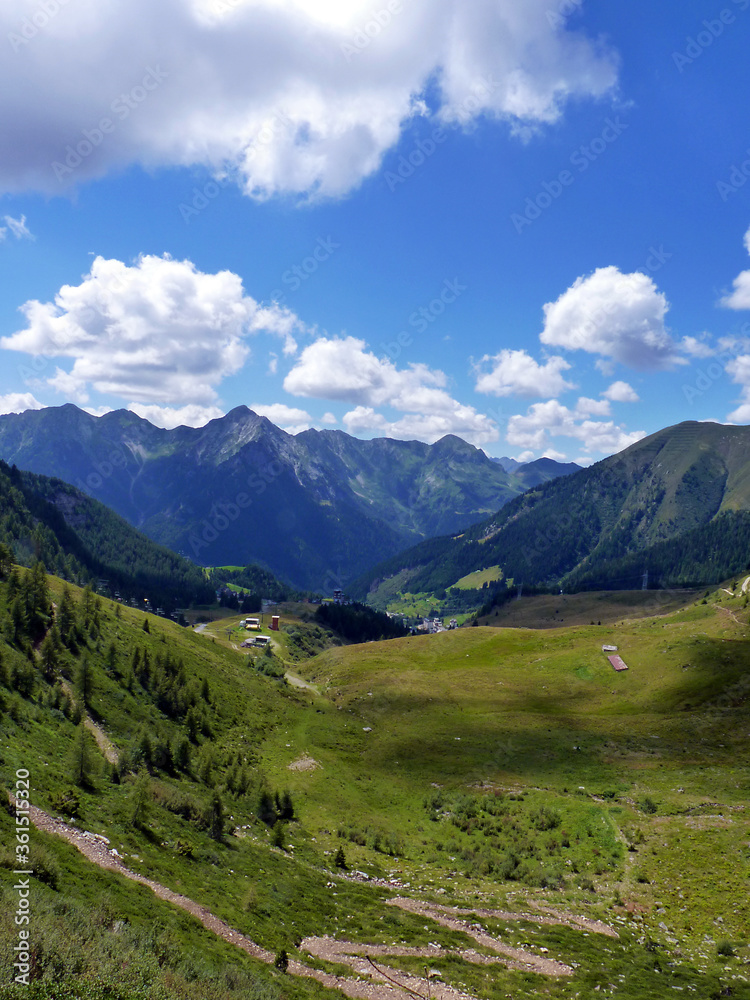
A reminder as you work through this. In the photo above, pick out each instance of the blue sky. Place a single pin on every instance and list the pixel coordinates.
(527, 224)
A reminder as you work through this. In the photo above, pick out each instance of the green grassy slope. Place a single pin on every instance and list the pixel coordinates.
(482, 767)
(675, 503)
(83, 541)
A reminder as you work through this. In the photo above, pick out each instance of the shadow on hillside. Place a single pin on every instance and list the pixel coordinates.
(556, 731)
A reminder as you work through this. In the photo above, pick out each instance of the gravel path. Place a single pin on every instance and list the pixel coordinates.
(378, 982)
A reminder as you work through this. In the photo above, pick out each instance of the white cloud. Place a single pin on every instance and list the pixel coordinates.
(268, 92)
(343, 369)
(619, 316)
(551, 419)
(289, 418)
(742, 414)
(17, 402)
(462, 421)
(157, 332)
(556, 456)
(328, 418)
(170, 417)
(621, 392)
(740, 297)
(697, 347)
(517, 373)
(17, 227)
(586, 407)
(739, 370)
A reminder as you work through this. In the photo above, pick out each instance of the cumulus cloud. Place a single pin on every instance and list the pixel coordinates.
(739, 371)
(586, 407)
(16, 227)
(343, 369)
(17, 402)
(157, 332)
(170, 417)
(618, 316)
(289, 418)
(740, 297)
(621, 392)
(551, 419)
(516, 373)
(463, 421)
(285, 96)
(697, 347)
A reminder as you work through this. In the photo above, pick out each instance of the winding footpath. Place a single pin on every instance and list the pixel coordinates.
(375, 981)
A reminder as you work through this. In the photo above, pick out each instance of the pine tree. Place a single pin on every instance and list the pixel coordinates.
(138, 798)
(6, 560)
(81, 758)
(182, 755)
(66, 617)
(50, 660)
(84, 680)
(216, 817)
(111, 659)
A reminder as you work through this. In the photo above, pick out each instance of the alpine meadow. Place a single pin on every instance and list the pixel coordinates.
(374, 500)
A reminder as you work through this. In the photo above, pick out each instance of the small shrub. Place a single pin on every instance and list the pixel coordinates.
(282, 960)
(66, 803)
(725, 949)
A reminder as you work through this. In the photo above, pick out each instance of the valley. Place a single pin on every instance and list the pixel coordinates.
(462, 808)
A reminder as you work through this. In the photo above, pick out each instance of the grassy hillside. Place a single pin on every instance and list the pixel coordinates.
(675, 504)
(483, 768)
(83, 541)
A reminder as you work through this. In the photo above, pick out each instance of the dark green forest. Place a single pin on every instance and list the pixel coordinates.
(82, 541)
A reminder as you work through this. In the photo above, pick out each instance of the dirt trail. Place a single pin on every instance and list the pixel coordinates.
(555, 917)
(103, 741)
(298, 682)
(728, 612)
(382, 982)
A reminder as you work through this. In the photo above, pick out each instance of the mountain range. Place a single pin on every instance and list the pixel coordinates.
(317, 508)
(672, 509)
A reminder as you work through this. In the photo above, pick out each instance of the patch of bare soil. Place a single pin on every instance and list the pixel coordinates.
(103, 741)
(304, 763)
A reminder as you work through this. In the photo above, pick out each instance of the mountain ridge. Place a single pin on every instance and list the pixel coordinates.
(677, 481)
(312, 507)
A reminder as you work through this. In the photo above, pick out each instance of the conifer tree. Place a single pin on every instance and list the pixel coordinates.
(81, 758)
